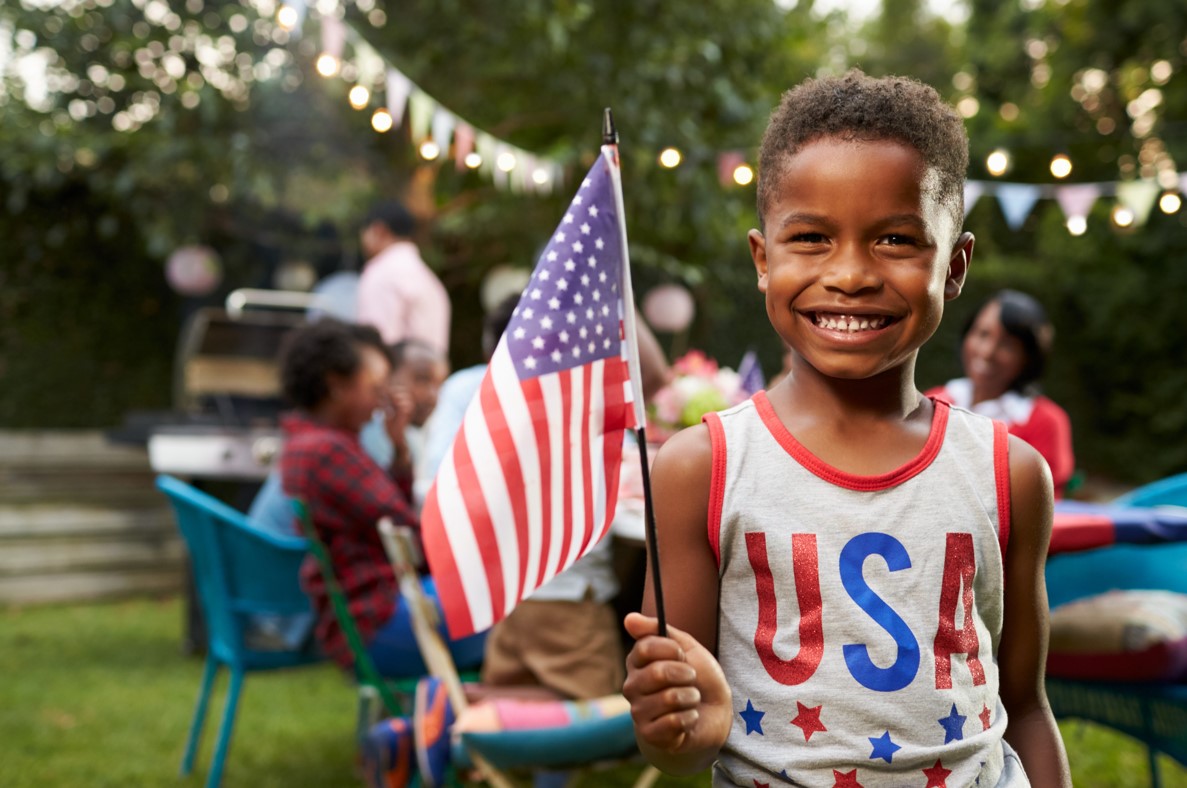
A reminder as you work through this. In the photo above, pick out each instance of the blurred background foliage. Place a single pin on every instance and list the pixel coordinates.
(201, 121)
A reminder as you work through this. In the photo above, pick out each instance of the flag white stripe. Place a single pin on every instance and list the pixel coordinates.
(595, 437)
(550, 388)
(515, 410)
(576, 464)
(460, 535)
(498, 504)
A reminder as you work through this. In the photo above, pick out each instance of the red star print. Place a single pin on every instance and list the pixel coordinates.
(757, 784)
(984, 715)
(808, 720)
(937, 775)
(846, 779)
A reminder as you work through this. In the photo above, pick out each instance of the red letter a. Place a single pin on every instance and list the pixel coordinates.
(960, 566)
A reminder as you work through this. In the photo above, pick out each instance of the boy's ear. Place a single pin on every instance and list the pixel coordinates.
(958, 265)
(758, 251)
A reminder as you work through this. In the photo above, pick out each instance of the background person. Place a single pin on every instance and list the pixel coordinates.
(337, 375)
(1004, 350)
(397, 292)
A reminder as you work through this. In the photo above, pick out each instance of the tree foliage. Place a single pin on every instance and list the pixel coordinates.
(176, 121)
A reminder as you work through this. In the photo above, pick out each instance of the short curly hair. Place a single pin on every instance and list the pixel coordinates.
(855, 106)
(312, 352)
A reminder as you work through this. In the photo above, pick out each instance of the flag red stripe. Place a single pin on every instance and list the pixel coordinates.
(616, 415)
(445, 570)
(483, 528)
(535, 402)
(500, 435)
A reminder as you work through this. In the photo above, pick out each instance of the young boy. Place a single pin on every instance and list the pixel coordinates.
(854, 573)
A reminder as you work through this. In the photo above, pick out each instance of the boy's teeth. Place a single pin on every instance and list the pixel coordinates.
(850, 322)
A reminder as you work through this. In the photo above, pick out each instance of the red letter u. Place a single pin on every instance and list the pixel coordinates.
(807, 592)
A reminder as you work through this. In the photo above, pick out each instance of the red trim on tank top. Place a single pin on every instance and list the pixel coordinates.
(852, 481)
(1001, 477)
(716, 482)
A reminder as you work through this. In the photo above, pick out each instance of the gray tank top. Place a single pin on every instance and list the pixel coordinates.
(859, 615)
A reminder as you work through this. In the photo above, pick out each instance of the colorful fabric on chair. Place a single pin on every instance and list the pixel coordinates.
(1136, 635)
(432, 724)
(388, 754)
(517, 733)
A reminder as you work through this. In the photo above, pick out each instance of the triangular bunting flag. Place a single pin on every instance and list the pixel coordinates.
(442, 130)
(369, 65)
(463, 143)
(333, 35)
(972, 192)
(1138, 196)
(420, 114)
(1016, 200)
(398, 88)
(1077, 199)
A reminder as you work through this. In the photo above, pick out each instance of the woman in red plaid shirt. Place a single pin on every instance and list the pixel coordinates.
(337, 375)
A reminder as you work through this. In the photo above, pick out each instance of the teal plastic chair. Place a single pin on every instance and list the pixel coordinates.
(250, 593)
(1154, 713)
(1171, 491)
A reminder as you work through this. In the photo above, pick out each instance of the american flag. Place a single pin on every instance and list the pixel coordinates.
(531, 480)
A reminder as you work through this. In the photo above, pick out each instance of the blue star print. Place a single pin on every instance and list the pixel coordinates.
(953, 726)
(884, 748)
(753, 718)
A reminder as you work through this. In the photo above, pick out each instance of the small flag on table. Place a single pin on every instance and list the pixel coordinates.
(530, 483)
(750, 373)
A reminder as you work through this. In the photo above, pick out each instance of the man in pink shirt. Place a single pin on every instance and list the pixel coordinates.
(398, 293)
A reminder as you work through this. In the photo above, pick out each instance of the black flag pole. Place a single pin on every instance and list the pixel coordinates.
(610, 138)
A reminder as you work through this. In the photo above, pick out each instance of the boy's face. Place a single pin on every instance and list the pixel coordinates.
(858, 257)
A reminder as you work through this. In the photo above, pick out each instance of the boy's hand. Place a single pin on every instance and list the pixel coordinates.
(680, 700)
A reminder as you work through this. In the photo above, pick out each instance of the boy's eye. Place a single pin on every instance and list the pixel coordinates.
(896, 239)
(808, 238)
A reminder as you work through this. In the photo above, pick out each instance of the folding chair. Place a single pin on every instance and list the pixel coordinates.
(377, 695)
(610, 739)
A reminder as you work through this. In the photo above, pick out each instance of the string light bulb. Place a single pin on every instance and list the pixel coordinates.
(1122, 216)
(506, 161)
(743, 174)
(327, 65)
(429, 150)
(287, 17)
(998, 162)
(359, 97)
(540, 176)
(473, 160)
(670, 158)
(1077, 225)
(1061, 165)
(381, 120)
(1170, 202)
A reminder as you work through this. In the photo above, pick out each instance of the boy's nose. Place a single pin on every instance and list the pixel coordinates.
(851, 272)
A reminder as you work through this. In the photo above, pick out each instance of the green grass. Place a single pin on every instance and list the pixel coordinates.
(100, 695)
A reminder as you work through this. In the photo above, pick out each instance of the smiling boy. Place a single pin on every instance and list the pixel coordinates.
(854, 572)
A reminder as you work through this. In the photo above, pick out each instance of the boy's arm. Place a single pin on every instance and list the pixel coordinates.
(1023, 653)
(680, 700)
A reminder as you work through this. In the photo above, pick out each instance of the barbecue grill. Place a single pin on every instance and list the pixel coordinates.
(224, 432)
